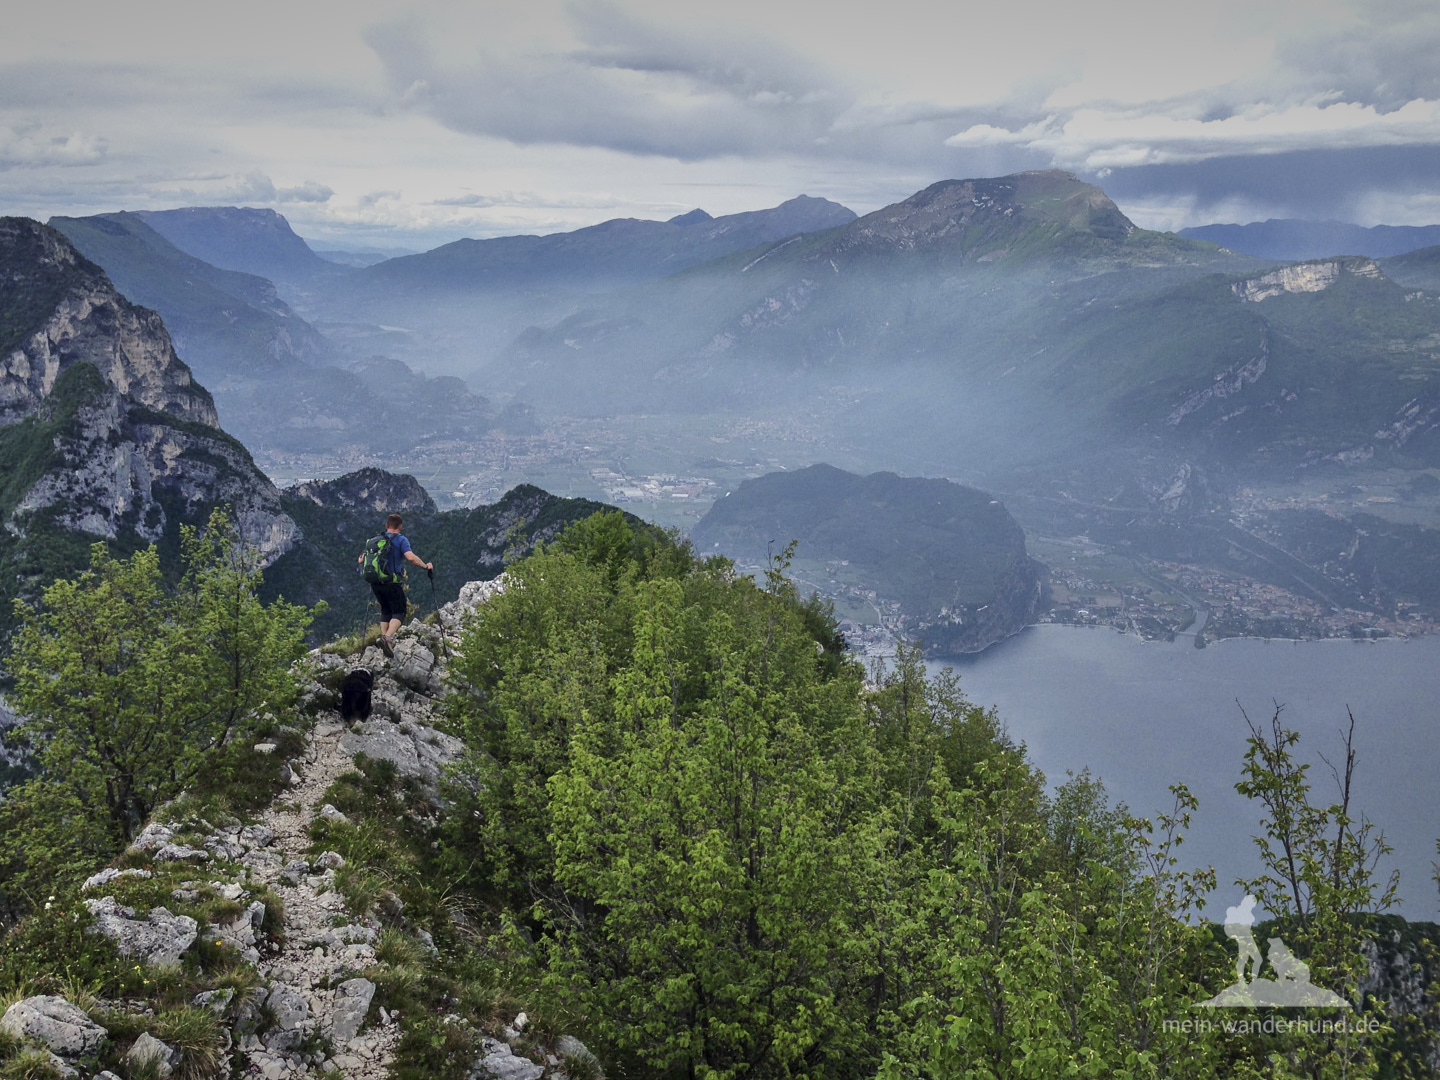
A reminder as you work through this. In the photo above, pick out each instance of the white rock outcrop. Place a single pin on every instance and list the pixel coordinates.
(54, 1023)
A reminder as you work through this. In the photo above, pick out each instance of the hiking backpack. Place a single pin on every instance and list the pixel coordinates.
(376, 565)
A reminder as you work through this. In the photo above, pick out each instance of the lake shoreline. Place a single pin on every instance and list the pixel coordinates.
(1142, 718)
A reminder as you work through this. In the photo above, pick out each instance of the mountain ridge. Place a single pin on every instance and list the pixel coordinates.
(1297, 240)
(620, 249)
(251, 240)
(235, 317)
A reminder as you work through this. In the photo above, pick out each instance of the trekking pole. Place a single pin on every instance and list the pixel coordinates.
(444, 649)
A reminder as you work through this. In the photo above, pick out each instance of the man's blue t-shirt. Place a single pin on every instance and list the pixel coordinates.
(398, 547)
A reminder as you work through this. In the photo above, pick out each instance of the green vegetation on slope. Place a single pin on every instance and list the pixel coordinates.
(928, 544)
(689, 828)
(130, 692)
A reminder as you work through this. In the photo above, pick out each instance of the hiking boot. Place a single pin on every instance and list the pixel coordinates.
(387, 645)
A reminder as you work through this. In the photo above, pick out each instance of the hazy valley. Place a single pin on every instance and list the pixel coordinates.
(1184, 431)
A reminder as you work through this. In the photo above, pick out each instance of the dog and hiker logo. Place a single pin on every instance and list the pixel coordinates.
(1291, 987)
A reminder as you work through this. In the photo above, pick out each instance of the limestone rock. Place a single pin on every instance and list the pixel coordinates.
(149, 1051)
(159, 939)
(54, 1023)
(501, 1063)
(153, 836)
(415, 749)
(109, 874)
(290, 1010)
(241, 932)
(181, 853)
(416, 668)
(352, 1003)
(217, 1001)
(262, 858)
(472, 595)
(257, 836)
(572, 1049)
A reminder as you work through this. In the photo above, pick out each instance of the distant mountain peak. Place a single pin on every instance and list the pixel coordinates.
(992, 217)
(694, 217)
(368, 489)
(253, 240)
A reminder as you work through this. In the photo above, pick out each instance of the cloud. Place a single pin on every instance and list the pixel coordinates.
(494, 117)
(1370, 185)
(226, 189)
(1367, 79)
(532, 200)
(470, 200)
(1099, 138)
(32, 145)
(308, 192)
(629, 86)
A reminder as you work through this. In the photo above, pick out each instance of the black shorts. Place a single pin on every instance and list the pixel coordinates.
(391, 595)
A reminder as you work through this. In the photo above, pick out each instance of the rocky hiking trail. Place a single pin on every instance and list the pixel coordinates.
(312, 1013)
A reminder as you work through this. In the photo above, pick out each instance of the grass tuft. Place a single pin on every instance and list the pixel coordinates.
(195, 1033)
(29, 1065)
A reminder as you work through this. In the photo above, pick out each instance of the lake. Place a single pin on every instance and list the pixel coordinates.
(1144, 714)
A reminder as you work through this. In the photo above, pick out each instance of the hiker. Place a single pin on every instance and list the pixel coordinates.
(384, 570)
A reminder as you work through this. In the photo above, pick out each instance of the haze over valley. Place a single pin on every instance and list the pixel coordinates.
(1189, 435)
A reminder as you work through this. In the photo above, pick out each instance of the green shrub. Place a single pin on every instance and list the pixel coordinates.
(133, 692)
(29, 1065)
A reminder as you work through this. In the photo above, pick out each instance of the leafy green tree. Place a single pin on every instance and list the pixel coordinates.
(536, 661)
(706, 846)
(1321, 883)
(1055, 940)
(127, 687)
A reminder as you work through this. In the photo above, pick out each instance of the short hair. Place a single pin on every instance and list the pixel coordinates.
(394, 521)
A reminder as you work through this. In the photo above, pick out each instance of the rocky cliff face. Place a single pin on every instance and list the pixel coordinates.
(971, 628)
(103, 431)
(1305, 277)
(60, 310)
(368, 489)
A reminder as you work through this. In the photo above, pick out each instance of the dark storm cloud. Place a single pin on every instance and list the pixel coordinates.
(1319, 184)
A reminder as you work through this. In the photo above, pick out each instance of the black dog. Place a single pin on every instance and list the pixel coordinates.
(355, 696)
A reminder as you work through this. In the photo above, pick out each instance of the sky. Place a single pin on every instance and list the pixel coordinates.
(386, 125)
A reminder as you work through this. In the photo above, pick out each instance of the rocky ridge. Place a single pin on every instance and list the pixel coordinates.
(369, 489)
(311, 1013)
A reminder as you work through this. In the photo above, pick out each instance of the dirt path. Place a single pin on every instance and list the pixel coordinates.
(313, 991)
